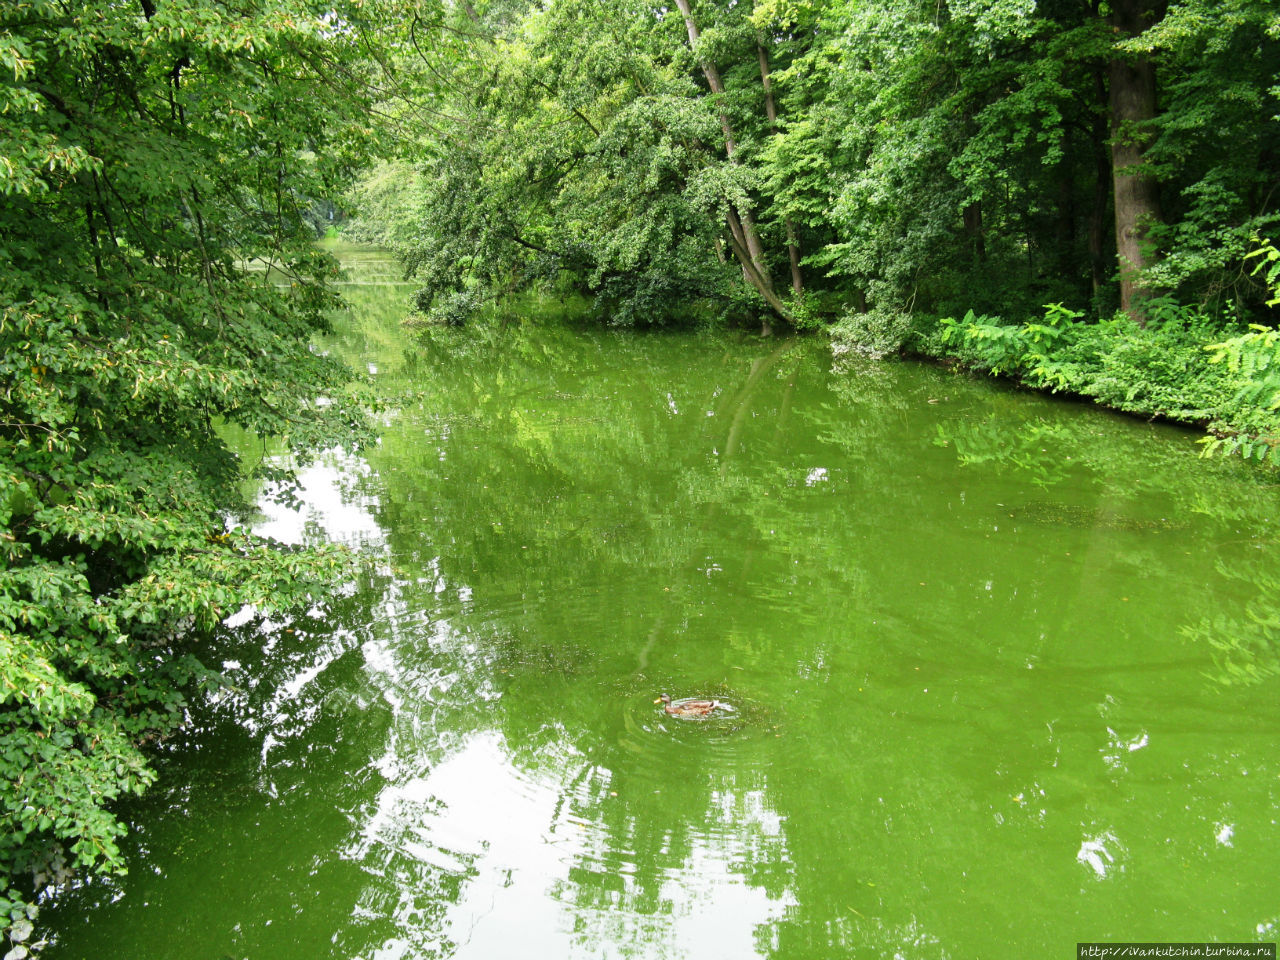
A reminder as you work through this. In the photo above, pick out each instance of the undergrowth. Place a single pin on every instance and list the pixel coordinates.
(1184, 364)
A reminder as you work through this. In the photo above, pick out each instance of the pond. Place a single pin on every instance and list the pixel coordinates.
(1004, 671)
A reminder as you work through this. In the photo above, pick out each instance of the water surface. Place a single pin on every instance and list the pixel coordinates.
(1005, 670)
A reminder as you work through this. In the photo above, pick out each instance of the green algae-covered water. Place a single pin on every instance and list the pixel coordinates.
(1005, 672)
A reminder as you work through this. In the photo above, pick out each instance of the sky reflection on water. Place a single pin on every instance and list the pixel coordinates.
(993, 655)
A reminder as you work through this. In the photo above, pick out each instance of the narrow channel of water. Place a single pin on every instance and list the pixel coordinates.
(1005, 671)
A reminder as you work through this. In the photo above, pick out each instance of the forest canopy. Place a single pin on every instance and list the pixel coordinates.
(1031, 187)
(841, 156)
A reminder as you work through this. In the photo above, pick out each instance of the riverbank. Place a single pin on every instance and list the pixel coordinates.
(1182, 366)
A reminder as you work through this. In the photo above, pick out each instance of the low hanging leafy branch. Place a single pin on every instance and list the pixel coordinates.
(152, 155)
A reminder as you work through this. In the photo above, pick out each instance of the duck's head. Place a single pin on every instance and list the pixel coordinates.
(665, 698)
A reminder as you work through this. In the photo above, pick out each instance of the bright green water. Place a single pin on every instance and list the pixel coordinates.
(1000, 676)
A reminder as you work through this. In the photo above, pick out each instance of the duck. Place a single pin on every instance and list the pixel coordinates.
(692, 707)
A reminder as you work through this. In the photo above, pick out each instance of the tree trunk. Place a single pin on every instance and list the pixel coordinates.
(1099, 262)
(771, 109)
(744, 238)
(1133, 107)
(749, 270)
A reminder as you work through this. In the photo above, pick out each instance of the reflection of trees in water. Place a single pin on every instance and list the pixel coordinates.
(529, 480)
(477, 729)
(549, 523)
(542, 505)
(650, 869)
(524, 469)
(1245, 647)
(1144, 501)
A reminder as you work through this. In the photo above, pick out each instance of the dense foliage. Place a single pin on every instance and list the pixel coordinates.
(1175, 365)
(158, 284)
(919, 156)
(576, 144)
(882, 163)
(890, 165)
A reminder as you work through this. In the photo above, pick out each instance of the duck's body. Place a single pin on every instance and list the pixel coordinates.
(692, 707)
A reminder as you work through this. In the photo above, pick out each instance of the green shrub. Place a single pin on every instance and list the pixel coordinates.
(456, 309)
(1179, 366)
(880, 332)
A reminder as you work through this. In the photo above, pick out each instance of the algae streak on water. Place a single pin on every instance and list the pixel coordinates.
(1004, 669)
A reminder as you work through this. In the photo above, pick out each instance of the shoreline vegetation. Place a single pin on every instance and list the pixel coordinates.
(916, 177)
(1182, 368)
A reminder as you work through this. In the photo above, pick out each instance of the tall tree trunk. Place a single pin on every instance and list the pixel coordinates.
(771, 109)
(1133, 107)
(744, 238)
(750, 273)
(1099, 262)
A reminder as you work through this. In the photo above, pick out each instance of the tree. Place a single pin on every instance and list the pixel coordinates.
(158, 285)
(898, 157)
(1132, 87)
(998, 156)
(744, 238)
(609, 144)
(1214, 150)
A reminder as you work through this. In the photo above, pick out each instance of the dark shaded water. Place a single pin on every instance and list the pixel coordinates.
(1005, 671)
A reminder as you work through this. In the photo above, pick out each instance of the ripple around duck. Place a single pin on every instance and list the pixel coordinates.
(735, 739)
